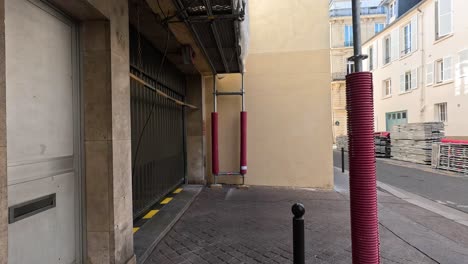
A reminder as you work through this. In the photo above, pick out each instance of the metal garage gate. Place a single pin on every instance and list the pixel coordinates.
(159, 166)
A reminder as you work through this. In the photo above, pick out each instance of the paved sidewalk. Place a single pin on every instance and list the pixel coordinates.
(254, 226)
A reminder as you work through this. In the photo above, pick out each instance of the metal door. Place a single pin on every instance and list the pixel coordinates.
(42, 135)
(157, 124)
(395, 118)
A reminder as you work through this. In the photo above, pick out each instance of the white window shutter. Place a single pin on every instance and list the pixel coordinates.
(448, 68)
(445, 17)
(395, 49)
(414, 78)
(402, 83)
(376, 54)
(401, 47)
(430, 73)
(458, 78)
(414, 33)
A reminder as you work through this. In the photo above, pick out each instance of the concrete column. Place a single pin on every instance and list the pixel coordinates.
(195, 131)
(3, 149)
(106, 87)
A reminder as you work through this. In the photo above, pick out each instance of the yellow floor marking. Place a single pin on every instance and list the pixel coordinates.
(178, 190)
(167, 200)
(135, 229)
(150, 214)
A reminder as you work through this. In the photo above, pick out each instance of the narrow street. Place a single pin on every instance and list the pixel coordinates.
(443, 187)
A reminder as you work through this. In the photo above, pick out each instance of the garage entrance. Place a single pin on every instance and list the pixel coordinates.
(158, 145)
(395, 118)
(43, 134)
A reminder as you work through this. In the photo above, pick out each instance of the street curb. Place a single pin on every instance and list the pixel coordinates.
(152, 225)
(442, 210)
(437, 208)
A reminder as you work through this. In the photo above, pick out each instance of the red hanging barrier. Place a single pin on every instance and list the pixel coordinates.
(362, 172)
(214, 144)
(243, 149)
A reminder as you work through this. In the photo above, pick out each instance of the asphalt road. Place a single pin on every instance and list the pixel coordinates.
(421, 180)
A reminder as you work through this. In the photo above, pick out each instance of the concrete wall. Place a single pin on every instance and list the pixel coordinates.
(287, 95)
(106, 107)
(195, 133)
(420, 102)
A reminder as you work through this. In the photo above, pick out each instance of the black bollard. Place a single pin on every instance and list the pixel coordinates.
(342, 160)
(298, 233)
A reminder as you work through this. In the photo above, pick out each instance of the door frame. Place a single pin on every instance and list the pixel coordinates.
(78, 123)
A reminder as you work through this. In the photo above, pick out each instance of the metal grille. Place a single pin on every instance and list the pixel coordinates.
(160, 162)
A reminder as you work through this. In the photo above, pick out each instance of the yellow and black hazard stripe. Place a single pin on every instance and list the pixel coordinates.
(154, 210)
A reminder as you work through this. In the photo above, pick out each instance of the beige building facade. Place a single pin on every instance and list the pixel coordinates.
(373, 20)
(287, 99)
(420, 67)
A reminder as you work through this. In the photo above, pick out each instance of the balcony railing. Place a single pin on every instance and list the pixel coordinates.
(376, 10)
(339, 76)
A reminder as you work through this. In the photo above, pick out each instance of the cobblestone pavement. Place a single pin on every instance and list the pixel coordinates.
(254, 226)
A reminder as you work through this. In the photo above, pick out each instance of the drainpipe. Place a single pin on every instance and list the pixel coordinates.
(423, 65)
(362, 171)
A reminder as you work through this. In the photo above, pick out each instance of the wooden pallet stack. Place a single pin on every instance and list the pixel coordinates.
(382, 144)
(413, 142)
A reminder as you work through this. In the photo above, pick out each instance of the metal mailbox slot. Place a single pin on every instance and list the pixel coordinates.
(30, 208)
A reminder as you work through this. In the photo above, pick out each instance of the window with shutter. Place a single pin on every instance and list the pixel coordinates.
(430, 73)
(386, 50)
(371, 58)
(440, 112)
(444, 19)
(405, 39)
(406, 81)
(447, 69)
(348, 35)
(387, 88)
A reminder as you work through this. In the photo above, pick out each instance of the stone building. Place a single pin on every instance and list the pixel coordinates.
(420, 67)
(373, 20)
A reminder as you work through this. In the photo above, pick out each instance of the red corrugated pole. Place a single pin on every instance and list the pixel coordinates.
(243, 132)
(362, 172)
(214, 134)
(214, 144)
(243, 154)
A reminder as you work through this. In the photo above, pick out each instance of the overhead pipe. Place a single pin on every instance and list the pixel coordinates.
(361, 149)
